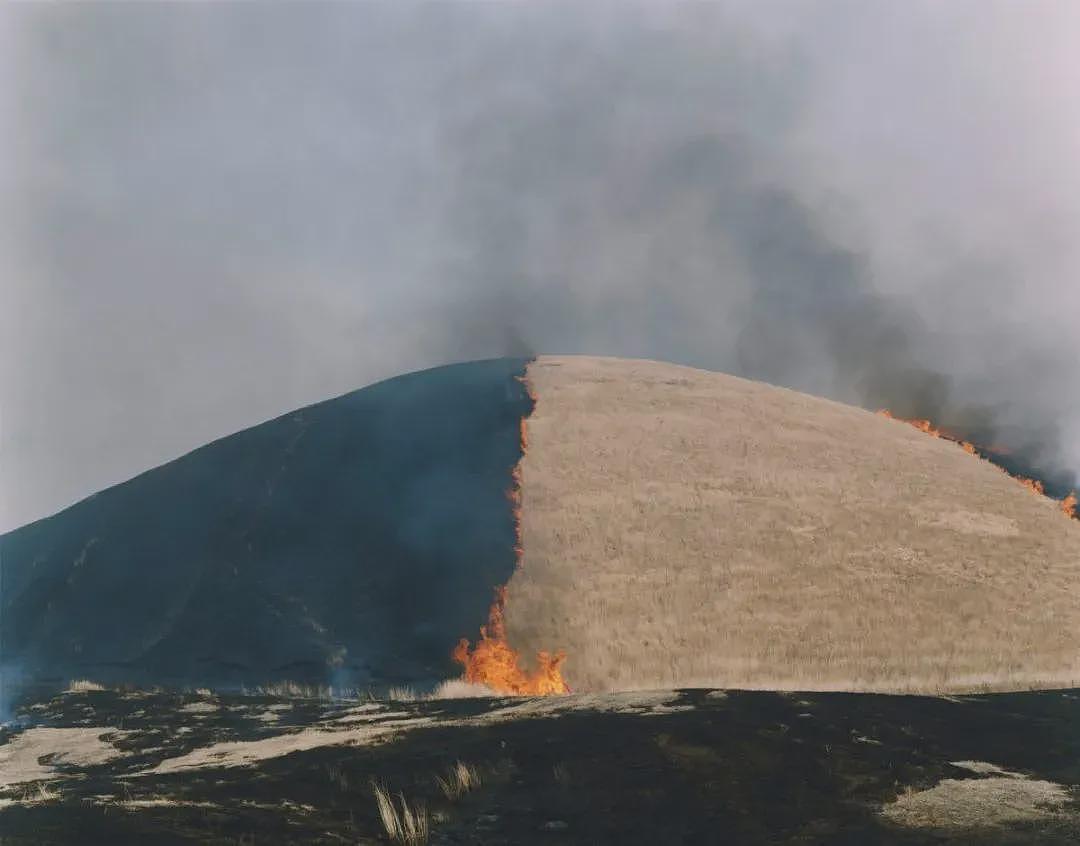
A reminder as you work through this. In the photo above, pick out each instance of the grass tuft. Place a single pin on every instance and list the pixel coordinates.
(408, 826)
(83, 686)
(460, 779)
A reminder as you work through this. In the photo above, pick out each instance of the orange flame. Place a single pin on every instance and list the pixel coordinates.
(1033, 485)
(1068, 505)
(493, 662)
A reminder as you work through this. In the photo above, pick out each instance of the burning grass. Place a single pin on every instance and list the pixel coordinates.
(496, 664)
(1067, 505)
(493, 662)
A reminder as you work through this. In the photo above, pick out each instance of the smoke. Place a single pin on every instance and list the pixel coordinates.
(221, 212)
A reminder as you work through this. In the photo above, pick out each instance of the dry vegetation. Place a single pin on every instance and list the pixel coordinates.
(83, 686)
(402, 824)
(460, 779)
(296, 690)
(687, 528)
(977, 803)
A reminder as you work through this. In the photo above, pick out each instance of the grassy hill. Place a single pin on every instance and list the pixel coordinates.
(684, 528)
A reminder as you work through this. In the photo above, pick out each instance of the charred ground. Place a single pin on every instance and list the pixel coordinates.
(679, 767)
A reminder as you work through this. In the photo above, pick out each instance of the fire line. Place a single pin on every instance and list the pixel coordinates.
(1068, 505)
(493, 662)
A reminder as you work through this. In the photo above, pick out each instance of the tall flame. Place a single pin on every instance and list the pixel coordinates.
(493, 662)
(1068, 505)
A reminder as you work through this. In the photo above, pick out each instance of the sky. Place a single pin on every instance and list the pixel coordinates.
(211, 214)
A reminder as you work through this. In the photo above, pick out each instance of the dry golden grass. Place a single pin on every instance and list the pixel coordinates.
(460, 779)
(83, 686)
(687, 528)
(408, 826)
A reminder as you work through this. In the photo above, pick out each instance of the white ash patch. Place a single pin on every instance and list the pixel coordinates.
(200, 708)
(242, 753)
(640, 702)
(139, 804)
(365, 714)
(21, 758)
(984, 768)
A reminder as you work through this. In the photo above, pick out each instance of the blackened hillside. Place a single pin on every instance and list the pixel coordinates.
(353, 542)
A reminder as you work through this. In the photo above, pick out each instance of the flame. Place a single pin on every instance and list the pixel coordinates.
(1033, 485)
(924, 425)
(1068, 505)
(493, 662)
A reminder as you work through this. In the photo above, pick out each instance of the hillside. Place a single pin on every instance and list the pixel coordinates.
(686, 528)
(679, 528)
(351, 542)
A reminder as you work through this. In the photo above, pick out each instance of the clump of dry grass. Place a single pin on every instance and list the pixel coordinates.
(460, 779)
(83, 686)
(295, 690)
(403, 694)
(40, 792)
(461, 689)
(408, 826)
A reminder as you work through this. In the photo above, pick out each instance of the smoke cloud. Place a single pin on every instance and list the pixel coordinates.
(215, 213)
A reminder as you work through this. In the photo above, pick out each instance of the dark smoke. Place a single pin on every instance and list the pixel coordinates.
(212, 227)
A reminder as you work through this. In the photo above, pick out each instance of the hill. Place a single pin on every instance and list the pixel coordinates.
(678, 528)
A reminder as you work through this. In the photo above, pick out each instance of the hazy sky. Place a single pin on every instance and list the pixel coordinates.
(211, 214)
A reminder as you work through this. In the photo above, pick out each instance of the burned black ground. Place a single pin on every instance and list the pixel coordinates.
(694, 767)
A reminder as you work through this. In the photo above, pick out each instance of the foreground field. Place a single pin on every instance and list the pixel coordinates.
(684, 528)
(694, 767)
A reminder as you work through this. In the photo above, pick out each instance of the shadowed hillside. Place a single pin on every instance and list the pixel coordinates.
(353, 541)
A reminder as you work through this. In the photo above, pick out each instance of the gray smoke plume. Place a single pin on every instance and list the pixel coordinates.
(214, 213)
